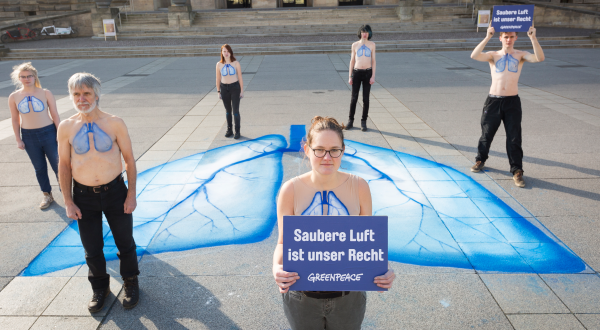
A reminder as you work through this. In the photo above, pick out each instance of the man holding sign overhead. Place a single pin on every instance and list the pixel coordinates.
(322, 192)
(503, 103)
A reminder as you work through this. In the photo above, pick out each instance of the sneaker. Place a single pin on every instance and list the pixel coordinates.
(478, 166)
(97, 303)
(132, 292)
(350, 124)
(48, 199)
(518, 177)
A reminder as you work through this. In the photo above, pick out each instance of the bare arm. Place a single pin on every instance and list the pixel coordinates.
(65, 177)
(239, 72)
(218, 80)
(351, 67)
(373, 65)
(52, 109)
(285, 206)
(124, 142)
(477, 53)
(16, 121)
(538, 53)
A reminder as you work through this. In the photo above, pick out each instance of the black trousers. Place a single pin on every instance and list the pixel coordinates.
(507, 110)
(361, 76)
(111, 203)
(230, 93)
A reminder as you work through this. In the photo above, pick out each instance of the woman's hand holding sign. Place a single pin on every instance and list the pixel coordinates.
(284, 279)
(385, 281)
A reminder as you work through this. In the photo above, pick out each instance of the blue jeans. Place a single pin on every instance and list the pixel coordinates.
(39, 144)
(343, 313)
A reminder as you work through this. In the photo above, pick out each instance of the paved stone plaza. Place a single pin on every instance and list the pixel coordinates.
(423, 104)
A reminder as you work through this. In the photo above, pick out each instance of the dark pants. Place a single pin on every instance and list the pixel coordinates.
(361, 76)
(230, 93)
(507, 110)
(39, 144)
(111, 203)
(343, 313)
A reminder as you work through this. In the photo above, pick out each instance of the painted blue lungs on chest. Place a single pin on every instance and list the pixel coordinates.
(227, 69)
(329, 199)
(81, 141)
(36, 104)
(507, 60)
(363, 50)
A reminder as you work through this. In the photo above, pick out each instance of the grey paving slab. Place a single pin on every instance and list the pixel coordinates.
(545, 321)
(546, 197)
(74, 297)
(4, 280)
(21, 204)
(23, 242)
(523, 294)
(30, 296)
(202, 302)
(579, 292)
(17, 322)
(435, 301)
(590, 321)
(67, 323)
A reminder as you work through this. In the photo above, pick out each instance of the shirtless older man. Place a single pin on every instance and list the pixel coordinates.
(503, 104)
(90, 145)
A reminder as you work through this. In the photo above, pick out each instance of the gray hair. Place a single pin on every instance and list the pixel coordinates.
(88, 80)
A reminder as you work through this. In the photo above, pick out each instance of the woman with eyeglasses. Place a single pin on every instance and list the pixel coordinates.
(35, 121)
(347, 194)
(230, 87)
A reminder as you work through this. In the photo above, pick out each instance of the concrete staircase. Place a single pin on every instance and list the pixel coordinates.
(294, 21)
(287, 48)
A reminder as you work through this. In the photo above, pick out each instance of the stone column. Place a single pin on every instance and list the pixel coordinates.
(180, 16)
(410, 10)
(98, 14)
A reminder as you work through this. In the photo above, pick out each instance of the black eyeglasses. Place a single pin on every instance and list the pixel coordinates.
(320, 153)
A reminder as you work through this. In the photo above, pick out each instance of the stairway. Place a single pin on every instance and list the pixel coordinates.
(287, 48)
(294, 21)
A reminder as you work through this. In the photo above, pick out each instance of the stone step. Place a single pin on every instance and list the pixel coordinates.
(286, 48)
(266, 52)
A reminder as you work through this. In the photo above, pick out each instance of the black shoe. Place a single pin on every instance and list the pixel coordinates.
(363, 125)
(350, 124)
(97, 303)
(229, 132)
(237, 135)
(132, 292)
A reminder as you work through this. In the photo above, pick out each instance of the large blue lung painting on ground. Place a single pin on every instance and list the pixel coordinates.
(438, 216)
(221, 196)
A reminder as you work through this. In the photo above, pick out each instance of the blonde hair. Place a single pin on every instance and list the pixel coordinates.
(17, 69)
(320, 124)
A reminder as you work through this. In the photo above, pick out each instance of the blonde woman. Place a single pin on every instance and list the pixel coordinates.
(35, 121)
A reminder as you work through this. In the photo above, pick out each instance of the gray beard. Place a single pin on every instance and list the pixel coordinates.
(92, 107)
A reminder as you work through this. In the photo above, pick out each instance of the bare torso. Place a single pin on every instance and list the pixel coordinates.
(94, 167)
(506, 71)
(363, 61)
(29, 109)
(229, 78)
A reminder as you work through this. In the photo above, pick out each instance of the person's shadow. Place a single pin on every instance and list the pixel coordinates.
(170, 301)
